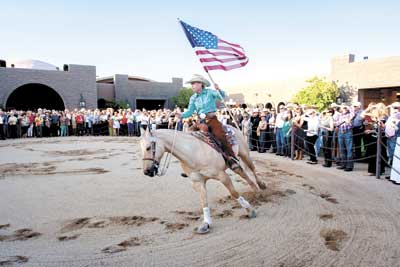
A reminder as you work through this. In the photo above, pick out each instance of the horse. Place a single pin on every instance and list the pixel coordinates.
(200, 162)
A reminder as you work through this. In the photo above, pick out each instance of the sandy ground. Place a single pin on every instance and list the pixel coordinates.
(85, 202)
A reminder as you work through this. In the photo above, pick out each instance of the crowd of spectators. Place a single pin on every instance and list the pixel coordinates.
(342, 134)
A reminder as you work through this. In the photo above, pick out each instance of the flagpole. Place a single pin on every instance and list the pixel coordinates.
(223, 102)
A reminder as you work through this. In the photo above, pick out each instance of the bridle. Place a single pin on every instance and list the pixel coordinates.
(167, 160)
(156, 163)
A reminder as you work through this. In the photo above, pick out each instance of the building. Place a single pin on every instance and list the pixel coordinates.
(32, 84)
(369, 80)
(139, 92)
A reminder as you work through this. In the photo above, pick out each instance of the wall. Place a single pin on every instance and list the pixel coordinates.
(68, 84)
(130, 90)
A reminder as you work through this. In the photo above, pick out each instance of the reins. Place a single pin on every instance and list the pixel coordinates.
(168, 157)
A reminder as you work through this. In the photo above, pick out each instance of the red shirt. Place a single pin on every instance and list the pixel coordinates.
(79, 119)
(124, 120)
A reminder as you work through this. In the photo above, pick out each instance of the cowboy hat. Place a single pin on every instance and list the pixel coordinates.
(200, 79)
(334, 105)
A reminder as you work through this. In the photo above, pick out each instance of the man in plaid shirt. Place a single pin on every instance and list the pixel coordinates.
(345, 138)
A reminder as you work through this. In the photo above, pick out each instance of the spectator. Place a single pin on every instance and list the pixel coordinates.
(280, 140)
(12, 125)
(392, 130)
(262, 133)
(358, 129)
(326, 127)
(312, 134)
(254, 120)
(345, 139)
(3, 121)
(286, 129)
(299, 134)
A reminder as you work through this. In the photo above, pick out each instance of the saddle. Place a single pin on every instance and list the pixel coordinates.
(212, 141)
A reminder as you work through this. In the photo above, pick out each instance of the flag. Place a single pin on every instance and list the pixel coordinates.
(213, 52)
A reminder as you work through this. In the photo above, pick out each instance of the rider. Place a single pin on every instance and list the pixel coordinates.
(203, 101)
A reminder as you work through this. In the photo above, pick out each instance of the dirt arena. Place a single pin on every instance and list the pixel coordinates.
(85, 202)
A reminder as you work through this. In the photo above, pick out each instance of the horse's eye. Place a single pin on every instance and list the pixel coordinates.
(148, 148)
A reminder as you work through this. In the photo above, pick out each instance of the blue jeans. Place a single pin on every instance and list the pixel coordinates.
(391, 145)
(63, 130)
(345, 140)
(262, 141)
(130, 129)
(318, 143)
(280, 140)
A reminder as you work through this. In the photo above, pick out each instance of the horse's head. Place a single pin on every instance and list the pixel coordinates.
(152, 150)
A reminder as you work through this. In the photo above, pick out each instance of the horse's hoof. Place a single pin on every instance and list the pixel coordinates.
(203, 229)
(252, 214)
(262, 185)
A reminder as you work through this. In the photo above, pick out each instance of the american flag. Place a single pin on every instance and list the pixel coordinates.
(214, 53)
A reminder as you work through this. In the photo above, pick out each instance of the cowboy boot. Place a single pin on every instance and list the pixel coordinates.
(341, 164)
(233, 163)
(349, 165)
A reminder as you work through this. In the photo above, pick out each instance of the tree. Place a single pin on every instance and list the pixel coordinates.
(123, 104)
(319, 93)
(183, 97)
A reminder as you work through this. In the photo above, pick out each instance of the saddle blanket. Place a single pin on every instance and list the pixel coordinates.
(210, 139)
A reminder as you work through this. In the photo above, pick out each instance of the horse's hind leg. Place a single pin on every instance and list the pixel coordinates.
(224, 178)
(247, 160)
(244, 175)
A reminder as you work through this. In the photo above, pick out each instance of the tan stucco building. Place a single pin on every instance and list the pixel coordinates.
(376, 80)
(367, 80)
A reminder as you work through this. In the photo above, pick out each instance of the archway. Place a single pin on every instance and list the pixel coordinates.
(101, 103)
(32, 96)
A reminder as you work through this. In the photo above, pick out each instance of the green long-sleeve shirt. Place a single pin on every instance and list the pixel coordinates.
(203, 102)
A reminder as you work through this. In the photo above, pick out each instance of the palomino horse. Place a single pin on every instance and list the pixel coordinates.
(201, 162)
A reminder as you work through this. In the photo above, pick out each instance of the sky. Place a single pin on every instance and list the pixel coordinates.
(283, 39)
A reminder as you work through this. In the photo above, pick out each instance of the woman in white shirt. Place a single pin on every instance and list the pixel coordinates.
(312, 135)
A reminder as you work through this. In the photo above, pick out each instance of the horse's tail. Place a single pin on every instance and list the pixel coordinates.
(244, 154)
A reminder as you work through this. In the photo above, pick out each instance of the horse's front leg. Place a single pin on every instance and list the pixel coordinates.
(226, 180)
(199, 185)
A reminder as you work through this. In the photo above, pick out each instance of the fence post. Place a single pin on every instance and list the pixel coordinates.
(378, 152)
(292, 141)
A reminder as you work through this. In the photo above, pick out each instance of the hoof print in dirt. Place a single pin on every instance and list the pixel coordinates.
(333, 238)
(328, 197)
(290, 192)
(173, 227)
(67, 238)
(224, 214)
(3, 226)
(20, 235)
(326, 216)
(188, 215)
(75, 224)
(124, 245)
(9, 261)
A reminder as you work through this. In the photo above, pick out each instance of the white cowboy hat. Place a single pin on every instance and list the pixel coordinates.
(200, 79)
(395, 105)
(334, 105)
(256, 110)
(356, 104)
